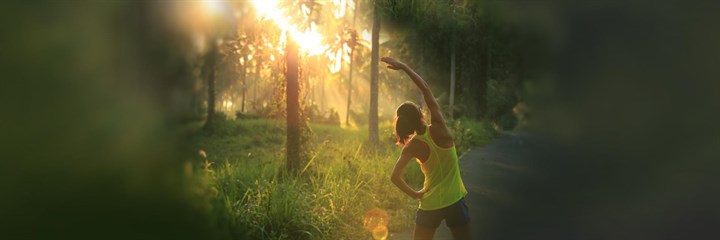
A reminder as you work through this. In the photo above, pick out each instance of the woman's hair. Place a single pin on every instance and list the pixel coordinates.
(408, 119)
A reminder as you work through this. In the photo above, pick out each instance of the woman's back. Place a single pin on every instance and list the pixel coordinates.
(443, 184)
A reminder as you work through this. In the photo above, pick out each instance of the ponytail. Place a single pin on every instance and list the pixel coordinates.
(408, 119)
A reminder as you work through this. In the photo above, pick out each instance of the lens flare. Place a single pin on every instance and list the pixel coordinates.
(380, 232)
(376, 221)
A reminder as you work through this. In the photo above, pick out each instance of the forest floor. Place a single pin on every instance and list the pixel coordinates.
(481, 169)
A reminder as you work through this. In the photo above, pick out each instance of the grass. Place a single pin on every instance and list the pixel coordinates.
(242, 183)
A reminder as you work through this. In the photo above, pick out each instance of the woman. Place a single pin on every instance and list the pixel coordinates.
(443, 193)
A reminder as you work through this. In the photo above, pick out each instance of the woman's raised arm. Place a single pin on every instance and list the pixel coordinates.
(436, 116)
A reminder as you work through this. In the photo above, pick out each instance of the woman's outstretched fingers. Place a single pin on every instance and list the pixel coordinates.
(387, 60)
(392, 63)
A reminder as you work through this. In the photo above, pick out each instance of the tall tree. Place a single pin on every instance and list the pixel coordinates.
(421, 71)
(243, 76)
(209, 67)
(292, 94)
(353, 41)
(258, 77)
(373, 121)
(488, 72)
(322, 94)
(451, 109)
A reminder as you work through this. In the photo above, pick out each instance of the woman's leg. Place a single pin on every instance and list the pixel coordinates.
(461, 232)
(426, 221)
(423, 233)
(458, 220)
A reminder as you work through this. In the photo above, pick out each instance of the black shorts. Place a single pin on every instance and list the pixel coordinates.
(454, 215)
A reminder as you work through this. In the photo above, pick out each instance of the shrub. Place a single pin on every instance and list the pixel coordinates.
(470, 133)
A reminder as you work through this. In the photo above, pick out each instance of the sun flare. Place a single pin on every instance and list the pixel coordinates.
(309, 40)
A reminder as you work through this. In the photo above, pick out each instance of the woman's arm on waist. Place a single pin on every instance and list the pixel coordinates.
(397, 179)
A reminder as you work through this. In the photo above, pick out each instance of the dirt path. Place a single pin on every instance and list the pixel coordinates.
(480, 168)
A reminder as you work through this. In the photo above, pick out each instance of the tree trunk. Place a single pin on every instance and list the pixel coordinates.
(484, 76)
(258, 68)
(210, 61)
(350, 72)
(488, 68)
(293, 108)
(373, 121)
(322, 95)
(452, 82)
(421, 72)
(488, 76)
(243, 77)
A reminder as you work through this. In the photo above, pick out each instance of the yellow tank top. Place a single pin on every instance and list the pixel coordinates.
(443, 183)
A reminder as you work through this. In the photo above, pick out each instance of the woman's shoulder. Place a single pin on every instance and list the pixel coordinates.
(441, 136)
(417, 148)
(416, 141)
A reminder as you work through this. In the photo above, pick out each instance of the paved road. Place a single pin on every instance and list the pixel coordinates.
(481, 169)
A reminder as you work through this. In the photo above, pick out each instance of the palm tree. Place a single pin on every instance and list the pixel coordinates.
(292, 91)
(352, 43)
(374, 138)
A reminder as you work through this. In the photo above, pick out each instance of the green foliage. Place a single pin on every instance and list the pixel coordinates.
(522, 114)
(243, 182)
(488, 47)
(314, 115)
(241, 115)
(359, 117)
(470, 133)
(233, 139)
(500, 102)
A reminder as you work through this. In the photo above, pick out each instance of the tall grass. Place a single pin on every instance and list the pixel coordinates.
(243, 184)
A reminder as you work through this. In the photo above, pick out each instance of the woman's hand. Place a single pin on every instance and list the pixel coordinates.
(393, 64)
(419, 194)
